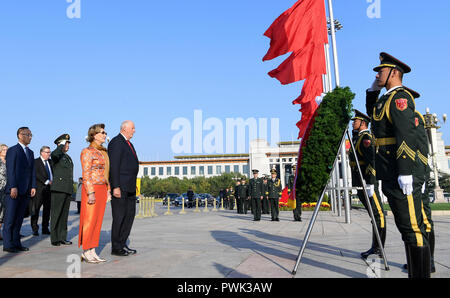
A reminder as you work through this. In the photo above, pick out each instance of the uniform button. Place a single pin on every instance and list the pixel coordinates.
(387, 152)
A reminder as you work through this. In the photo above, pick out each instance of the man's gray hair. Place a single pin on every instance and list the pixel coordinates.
(125, 123)
(43, 148)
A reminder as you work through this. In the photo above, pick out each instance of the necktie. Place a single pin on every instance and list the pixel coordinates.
(47, 168)
(129, 144)
(28, 154)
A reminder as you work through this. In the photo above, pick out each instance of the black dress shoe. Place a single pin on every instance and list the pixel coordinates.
(35, 233)
(22, 248)
(65, 242)
(12, 250)
(45, 232)
(56, 243)
(129, 250)
(119, 252)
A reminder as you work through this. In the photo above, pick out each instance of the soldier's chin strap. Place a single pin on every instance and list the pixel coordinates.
(388, 77)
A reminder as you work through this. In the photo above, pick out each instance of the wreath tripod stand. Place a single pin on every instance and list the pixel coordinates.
(319, 202)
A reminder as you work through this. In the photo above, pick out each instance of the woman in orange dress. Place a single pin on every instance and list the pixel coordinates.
(95, 192)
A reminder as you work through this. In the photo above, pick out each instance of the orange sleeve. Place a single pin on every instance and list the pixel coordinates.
(86, 165)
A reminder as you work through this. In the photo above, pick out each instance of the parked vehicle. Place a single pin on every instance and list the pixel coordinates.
(172, 197)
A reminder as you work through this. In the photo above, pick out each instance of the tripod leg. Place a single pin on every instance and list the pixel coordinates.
(368, 204)
(308, 233)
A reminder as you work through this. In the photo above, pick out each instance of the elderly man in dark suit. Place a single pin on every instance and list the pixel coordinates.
(20, 187)
(124, 167)
(44, 177)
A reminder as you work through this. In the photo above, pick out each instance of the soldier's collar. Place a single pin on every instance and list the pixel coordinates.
(363, 131)
(392, 89)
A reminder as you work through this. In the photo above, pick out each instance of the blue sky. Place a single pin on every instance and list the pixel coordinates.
(155, 61)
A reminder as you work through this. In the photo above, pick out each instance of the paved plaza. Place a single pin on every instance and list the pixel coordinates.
(226, 244)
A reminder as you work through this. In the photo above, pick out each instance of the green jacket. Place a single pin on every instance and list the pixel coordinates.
(364, 144)
(393, 125)
(62, 171)
(274, 188)
(423, 167)
(255, 188)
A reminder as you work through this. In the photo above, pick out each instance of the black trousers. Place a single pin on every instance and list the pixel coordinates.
(407, 212)
(43, 198)
(246, 205)
(59, 214)
(256, 208)
(274, 208)
(123, 213)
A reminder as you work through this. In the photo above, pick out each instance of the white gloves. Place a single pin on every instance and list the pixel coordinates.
(375, 87)
(423, 187)
(406, 183)
(63, 142)
(370, 190)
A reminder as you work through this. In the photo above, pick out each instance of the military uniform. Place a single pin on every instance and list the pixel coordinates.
(241, 195)
(394, 127)
(265, 201)
(274, 194)
(255, 192)
(297, 212)
(230, 199)
(423, 170)
(61, 192)
(364, 144)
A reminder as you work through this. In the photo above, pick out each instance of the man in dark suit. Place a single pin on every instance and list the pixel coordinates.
(61, 191)
(124, 167)
(44, 177)
(20, 187)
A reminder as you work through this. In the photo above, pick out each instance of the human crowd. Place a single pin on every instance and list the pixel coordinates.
(108, 174)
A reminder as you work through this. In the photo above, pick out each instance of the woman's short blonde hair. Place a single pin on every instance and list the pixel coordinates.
(3, 145)
(93, 130)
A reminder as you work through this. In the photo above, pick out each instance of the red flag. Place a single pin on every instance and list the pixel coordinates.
(297, 27)
(284, 197)
(307, 61)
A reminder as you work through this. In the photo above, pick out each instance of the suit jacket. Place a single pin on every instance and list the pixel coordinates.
(20, 170)
(41, 173)
(62, 171)
(124, 165)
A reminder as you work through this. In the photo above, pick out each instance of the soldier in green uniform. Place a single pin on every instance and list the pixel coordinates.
(61, 191)
(274, 194)
(243, 195)
(255, 192)
(364, 144)
(393, 124)
(265, 200)
(230, 198)
(298, 210)
(236, 195)
(424, 170)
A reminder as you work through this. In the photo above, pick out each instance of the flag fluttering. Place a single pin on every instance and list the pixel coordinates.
(301, 30)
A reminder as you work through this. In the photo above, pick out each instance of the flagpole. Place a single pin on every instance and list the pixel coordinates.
(333, 41)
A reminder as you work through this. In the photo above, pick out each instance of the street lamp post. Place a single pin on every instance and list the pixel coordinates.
(431, 127)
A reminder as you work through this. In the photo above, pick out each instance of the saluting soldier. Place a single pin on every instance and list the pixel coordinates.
(364, 144)
(61, 191)
(255, 192)
(274, 194)
(298, 209)
(396, 133)
(424, 170)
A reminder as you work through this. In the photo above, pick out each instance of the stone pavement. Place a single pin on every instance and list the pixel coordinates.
(225, 244)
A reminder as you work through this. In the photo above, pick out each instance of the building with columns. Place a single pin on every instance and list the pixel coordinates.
(261, 156)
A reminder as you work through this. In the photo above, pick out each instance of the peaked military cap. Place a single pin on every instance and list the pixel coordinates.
(361, 116)
(415, 94)
(62, 138)
(273, 171)
(387, 60)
